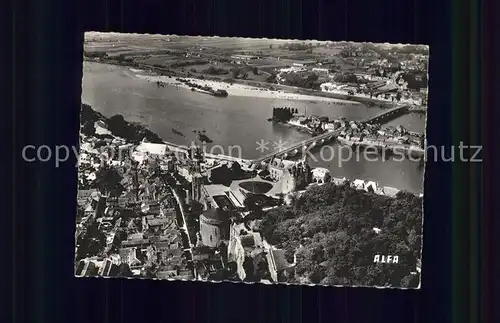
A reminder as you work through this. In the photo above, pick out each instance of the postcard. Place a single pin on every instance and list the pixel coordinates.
(251, 160)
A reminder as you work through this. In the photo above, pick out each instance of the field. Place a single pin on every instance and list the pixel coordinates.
(194, 55)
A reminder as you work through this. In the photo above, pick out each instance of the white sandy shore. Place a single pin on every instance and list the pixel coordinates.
(241, 89)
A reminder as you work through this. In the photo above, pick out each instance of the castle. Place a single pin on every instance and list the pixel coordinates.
(292, 175)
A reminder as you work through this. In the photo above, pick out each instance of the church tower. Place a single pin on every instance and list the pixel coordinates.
(196, 156)
(306, 170)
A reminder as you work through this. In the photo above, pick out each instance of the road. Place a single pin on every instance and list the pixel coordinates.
(184, 229)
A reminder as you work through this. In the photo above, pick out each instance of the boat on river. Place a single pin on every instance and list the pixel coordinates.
(220, 93)
(204, 138)
(177, 132)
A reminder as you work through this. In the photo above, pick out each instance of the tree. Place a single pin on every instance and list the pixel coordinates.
(115, 122)
(255, 70)
(236, 168)
(309, 80)
(334, 227)
(271, 78)
(264, 173)
(253, 202)
(221, 175)
(235, 72)
(88, 129)
(108, 181)
(346, 78)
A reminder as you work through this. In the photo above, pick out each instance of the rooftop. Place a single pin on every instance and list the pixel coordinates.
(320, 171)
(251, 239)
(278, 257)
(305, 62)
(223, 202)
(155, 149)
(156, 222)
(85, 194)
(216, 214)
(215, 189)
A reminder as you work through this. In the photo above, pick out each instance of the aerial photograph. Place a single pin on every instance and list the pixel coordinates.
(251, 160)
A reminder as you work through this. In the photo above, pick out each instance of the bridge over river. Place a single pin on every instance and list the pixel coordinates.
(304, 146)
(381, 117)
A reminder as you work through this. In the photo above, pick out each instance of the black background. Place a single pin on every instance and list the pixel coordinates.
(48, 68)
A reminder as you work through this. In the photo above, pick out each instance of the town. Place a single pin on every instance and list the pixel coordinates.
(147, 210)
(353, 133)
(154, 203)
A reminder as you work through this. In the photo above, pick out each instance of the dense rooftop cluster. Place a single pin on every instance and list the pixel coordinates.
(147, 210)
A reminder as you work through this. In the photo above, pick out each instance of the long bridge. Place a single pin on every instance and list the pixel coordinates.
(304, 146)
(328, 136)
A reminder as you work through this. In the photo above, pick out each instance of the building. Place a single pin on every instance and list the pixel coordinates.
(220, 196)
(243, 58)
(107, 268)
(320, 175)
(214, 227)
(156, 225)
(321, 70)
(184, 171)
(168, 165)
(243, 244)
(290, 174)
(196, 157)
(152, 149)
(372, 187)
(85, 196)
(278, 265)
(129, 256)
(148, 207)
(329, 126)
(168, 211)
(101, 124)
(278, 167)
(196, 187)
(358, 184)
(86, 268)
(390, 191)
(304, 63)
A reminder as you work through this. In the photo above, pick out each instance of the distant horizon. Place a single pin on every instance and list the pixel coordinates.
(114, 35)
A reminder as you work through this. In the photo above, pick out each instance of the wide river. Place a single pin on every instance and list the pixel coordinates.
(239, 121)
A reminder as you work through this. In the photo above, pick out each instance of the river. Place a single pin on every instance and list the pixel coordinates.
(236, 121)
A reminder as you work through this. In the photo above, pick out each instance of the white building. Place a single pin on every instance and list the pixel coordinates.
(304, 63)
(244, 57)
(358, 184)
(321, 175)
(321, 70)
(153, 149)
(329, 126)
(145, 148)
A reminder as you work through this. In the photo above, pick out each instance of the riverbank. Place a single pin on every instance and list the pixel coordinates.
(236, 88)
(240, 87)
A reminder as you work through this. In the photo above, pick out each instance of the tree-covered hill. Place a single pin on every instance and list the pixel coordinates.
(131, 131)
(331, 228)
